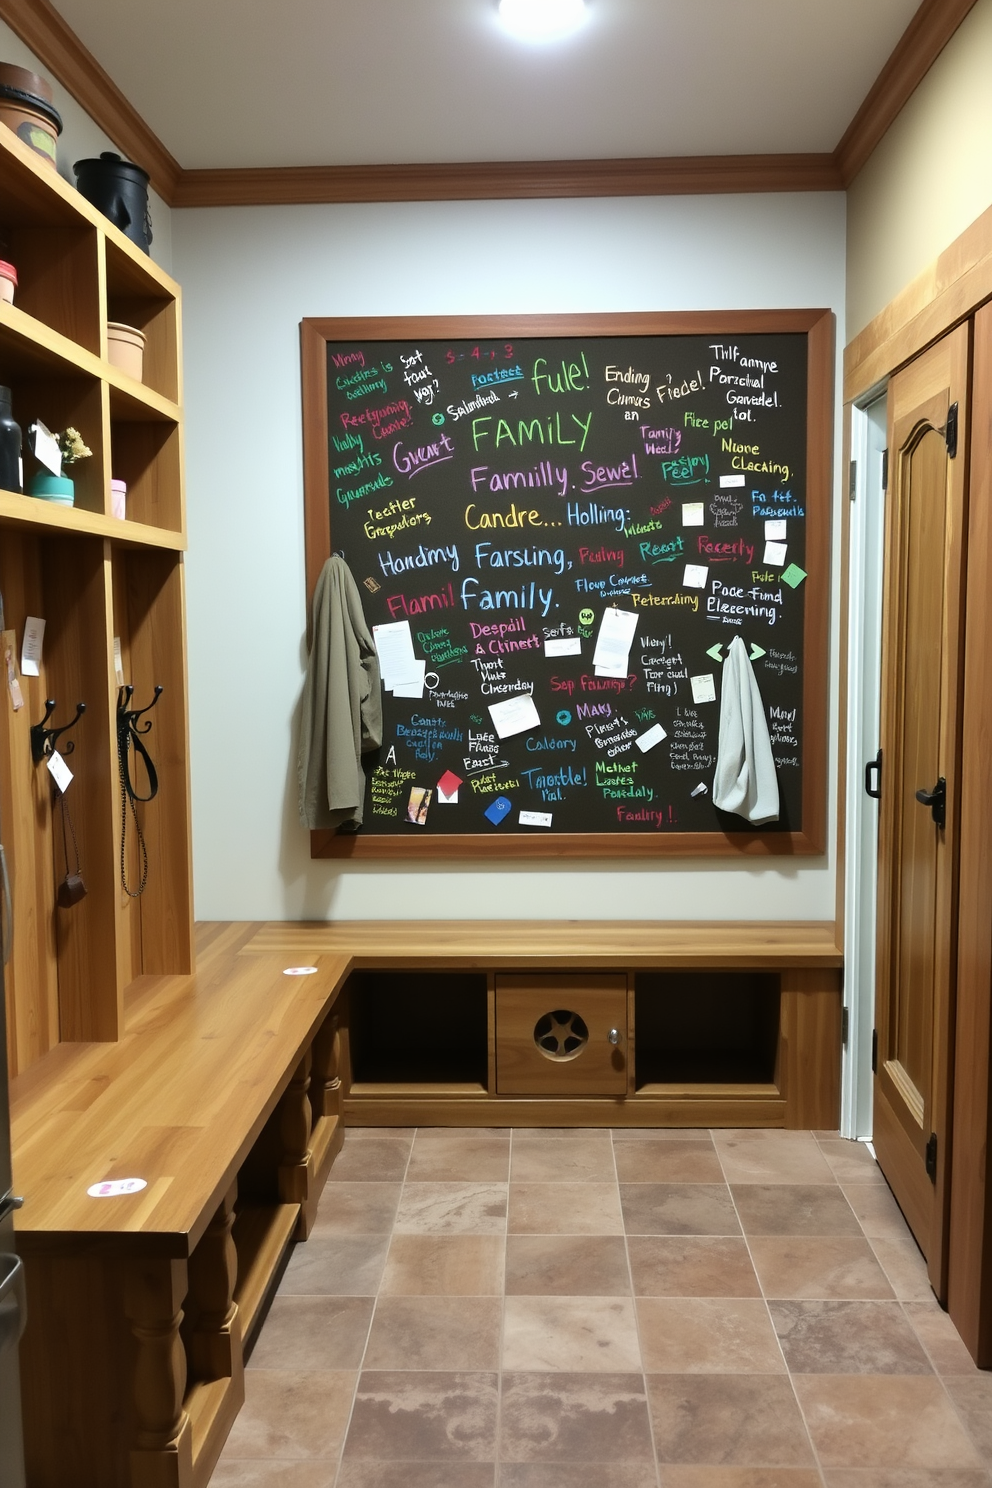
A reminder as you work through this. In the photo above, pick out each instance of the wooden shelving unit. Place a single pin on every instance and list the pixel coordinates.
(93, 577)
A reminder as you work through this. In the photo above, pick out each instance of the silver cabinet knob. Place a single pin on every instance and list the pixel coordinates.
(613, 1036)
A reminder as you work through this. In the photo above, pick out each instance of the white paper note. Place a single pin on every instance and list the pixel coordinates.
(46, 448)
(414, 689)
(695, 576)
(118, 662)
(775, 554)
(563, 646)
(776, 529)
(732, 480)
(692, 514)
(534, 818)
(34, 639)
(703, 688)
(700, 790)
(616, 632)
(653, 736)
(59, 771)
(394, 646)
(447, 798)
(514, 716)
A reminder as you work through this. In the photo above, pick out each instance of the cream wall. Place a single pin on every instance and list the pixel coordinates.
(249, 276)
(928, 179)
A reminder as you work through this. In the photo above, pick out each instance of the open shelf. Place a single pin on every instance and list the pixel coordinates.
(419, 1028)
(713, 1029)
(262, 1235)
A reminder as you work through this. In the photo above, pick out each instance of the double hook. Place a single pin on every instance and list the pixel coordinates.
(43, 739)
(127, 718)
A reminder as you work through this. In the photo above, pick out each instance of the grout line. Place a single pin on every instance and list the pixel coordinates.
(637, 1321)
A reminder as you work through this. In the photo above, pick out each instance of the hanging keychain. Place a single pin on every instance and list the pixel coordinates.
(129, 734)
(72, 888)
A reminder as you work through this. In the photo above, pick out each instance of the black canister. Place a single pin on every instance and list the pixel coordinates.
(11, 478)
(120, 190)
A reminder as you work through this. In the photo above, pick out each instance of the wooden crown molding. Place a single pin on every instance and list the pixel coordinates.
(41, 27)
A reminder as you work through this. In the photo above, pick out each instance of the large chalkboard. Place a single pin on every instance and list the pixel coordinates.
(500, 489)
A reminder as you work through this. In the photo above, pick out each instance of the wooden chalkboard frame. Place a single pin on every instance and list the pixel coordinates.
(818, 326)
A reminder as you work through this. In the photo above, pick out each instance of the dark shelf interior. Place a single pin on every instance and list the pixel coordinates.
(419, 1027)
(705, 1027)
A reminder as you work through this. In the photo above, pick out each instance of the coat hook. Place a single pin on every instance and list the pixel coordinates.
(43, 739)
(127, 718)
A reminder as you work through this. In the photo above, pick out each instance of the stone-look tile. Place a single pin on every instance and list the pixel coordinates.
(570, 1333)
(355, 1474)
(578, 1475)
(851, 1162)
(707, 1335)
(370, 1161)
(452, 1209)
(523, 1134)
(847, 1338)
(662, 1134)
(691, 1266)
(973, 1398)
(445, 1133)
(452, 1333)
(812, 1266)
(564, 1209)
(443, 1265)
(904, 1266)
(566, 1266)
(563, 1161)
(771, 1157)
(315, 1333)
(287, 1415)
(740, 1477)
(437, 1159)
(903, 1477)
(732, 1420)
(346, 1266)
(574, 1418)
(878, 1213)
(678, 1209)
(794, 1209)
(667, 1161)
(940, 1338)
(879, 1420)
(424, 1417)
(381, 1134)
(356, 1209)
(273, 1473)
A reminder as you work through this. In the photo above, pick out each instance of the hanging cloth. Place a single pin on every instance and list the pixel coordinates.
(745, 780)
(342, 704)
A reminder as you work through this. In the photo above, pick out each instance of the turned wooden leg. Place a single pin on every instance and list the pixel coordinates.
(325, 1085)
(294, 1131)
(163, 1453)
(215, 1343)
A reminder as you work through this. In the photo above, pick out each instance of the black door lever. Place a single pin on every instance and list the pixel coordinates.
(936, 800)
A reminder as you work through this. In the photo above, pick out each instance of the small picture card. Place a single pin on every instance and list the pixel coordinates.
(650, 738)
(703, 688)
(534, 818)
(496, 810)
(700, 790)
(695, 576)
(514, 716)
(732, 480)
(775, 554)
(692, 514)
(563, 646)
(34, 639)
(45, 447)
(776, 529)
(372, 585)
(447, 789)
(59, 771)
(418, 804)
(793, 575)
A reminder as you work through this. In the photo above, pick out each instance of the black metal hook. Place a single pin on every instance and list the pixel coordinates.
(43, 739)
(127, 718)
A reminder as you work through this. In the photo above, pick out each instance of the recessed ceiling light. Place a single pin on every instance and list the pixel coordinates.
(542, 20)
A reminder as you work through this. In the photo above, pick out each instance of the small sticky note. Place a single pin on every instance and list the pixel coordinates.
(703, 688)
(59, 771)
(700, 789)
(563, 646)
(653, 736)
(775, 553)
(534, 818)
(412, 687)
(496, 810)
(732, 480)
(515, 715)
(695, 576)
(34, 637)
(692, 514)
(113, 1188)
(793, 575)
(776, 529)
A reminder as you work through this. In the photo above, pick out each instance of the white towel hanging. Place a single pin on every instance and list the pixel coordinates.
(745, 780)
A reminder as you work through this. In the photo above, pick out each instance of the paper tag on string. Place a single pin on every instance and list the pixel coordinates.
(59, 771)
(10, 666)
(45, 447)
(118, 662)
(34, 638)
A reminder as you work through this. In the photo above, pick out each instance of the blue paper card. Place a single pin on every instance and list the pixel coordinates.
(497, 809)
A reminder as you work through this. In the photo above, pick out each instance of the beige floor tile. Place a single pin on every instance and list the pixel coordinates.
(578, 1475)
(563, 1161)
(740, 1477)
(904, 1266)
(342, 1266)
(561, 1133)
(662, 1134)
(907, 1477)
(940, 1338)
(678, 1209)
(851, 1162)
(691, 1266)
(848, 1337)
(888, 1421)
(794, 1209)
(356, 1209)
(231, 1472)
(381, 1134)
(443, 1265)
(436, 1333)
(287, 1415)
(474, 1159)
(452, 1209)
(565, 1209)
(570, 1333)
(426, 1416)
(575, 1418)
(878, 1213)
(371, 1161)
(771, 1157)
(318, 1333)
(973, 1397)
(727, 1420)
(706, 1335)
(356, 1474)
(667, 1161)
(566, 1265)
(812, 1266)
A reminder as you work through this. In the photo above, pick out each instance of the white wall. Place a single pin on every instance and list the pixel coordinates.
(249, 276)
(930, 176)
(81, 139)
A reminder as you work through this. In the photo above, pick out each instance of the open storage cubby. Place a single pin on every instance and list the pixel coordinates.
(419, 1028)
(705, 1028)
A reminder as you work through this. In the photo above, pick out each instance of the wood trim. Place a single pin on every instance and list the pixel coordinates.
(686, 175)
(57, 46)
(918, 48)
(571, 845)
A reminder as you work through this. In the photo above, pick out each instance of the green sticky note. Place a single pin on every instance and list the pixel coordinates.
(793, 575)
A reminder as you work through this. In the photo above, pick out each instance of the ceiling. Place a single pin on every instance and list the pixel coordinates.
(249, 83)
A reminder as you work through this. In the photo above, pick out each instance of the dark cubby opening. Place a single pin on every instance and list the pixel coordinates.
(706, 1027)
(419, 1028)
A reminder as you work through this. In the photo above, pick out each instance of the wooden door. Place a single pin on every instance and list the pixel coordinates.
(921, 661)
(561, 1035)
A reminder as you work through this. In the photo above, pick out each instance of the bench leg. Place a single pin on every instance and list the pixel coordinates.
(214, 1350)
(162, 1456)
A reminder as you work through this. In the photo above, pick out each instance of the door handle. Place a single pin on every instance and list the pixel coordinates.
(936, 800)
(874, 765)
(613, 1037)
(13, 1301)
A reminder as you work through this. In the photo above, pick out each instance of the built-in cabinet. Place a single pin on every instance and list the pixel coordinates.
(95, 579)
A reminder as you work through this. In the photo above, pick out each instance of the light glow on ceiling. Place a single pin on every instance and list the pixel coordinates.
(542, 20)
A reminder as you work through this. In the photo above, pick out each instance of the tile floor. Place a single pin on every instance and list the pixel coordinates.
(581, 1309)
